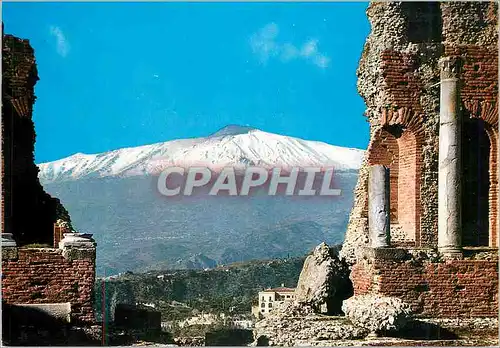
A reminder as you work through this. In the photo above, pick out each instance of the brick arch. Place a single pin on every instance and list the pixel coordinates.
(487, 112)
(404, 125)
(492, 133)
(385, 150)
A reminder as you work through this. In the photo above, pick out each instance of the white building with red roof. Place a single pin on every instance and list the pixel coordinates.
(271, 298)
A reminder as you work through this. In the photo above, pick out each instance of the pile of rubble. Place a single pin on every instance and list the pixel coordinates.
(376, 313)
(294, 322)
(322, 298)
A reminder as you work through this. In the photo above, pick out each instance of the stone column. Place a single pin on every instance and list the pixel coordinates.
(379, 206)
(449, 178)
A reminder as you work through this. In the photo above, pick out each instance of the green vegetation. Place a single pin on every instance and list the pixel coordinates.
(184, 293)
(37, 245)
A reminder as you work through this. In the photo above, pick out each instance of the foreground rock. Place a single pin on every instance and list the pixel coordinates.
(376, 313)
(292, 323)
(324, 281)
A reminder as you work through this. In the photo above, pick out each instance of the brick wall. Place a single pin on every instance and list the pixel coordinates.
(459, 288)
(406, 90)
(408, 185)
(59, 231)
(414, 188)
(402, 83)
(479, 92)
(21, 189)
(46, 276)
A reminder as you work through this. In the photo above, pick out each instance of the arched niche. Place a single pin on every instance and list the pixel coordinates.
(479, 183)
(398, 148)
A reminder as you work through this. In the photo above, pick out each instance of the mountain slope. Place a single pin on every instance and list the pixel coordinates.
(113, 196)
(233, 145)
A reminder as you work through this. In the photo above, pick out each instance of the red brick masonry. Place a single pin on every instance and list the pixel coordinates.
(458, 288)
(45, 276)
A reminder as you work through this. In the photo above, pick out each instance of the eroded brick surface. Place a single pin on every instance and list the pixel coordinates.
(459, 288)
(30, 213)
(398, 77)
(31, 275)
(45, 276)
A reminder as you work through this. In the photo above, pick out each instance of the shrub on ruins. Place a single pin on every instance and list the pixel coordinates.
(377, 313)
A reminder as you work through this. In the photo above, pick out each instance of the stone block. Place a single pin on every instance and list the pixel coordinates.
(9, 253)
(377, 313)
(57, 311)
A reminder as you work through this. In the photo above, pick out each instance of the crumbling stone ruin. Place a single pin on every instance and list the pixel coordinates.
(292, 324)
(313, 315)
(424, 227)
(375, 313)
(422, 238)
(324, 281)
(22, 193)
(48, 270)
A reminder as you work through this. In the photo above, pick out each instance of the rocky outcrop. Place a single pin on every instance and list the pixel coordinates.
(324, 281)
(323, 284)
(377, 313)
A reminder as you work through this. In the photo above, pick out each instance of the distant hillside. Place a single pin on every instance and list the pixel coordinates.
(114, 196)
(180, 294)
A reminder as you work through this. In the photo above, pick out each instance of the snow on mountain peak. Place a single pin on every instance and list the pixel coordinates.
(237, 146)
(233, 129)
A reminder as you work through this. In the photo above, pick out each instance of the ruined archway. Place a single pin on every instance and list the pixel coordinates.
(397, 148)
(493, 194)
(476, 183)
(385, 151)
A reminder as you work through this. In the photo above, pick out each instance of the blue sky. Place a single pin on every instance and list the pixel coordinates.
(116, 75)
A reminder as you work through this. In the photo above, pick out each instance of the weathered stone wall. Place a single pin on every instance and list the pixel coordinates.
(458, 288)
(35, 275)
(32, 275)
(398, 77)
(28, 212)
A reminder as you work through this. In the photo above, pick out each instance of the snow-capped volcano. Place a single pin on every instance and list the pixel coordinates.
(233, 129)
(231, 146)
(136, 228)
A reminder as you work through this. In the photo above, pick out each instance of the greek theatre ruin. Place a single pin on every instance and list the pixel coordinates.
(424, 227)
(47, 268)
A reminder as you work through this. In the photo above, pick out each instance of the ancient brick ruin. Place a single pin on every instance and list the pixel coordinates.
(40, 264)
(429, 77)
(21, 191)
(51, 275)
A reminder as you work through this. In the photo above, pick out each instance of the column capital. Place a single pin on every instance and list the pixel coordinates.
(450, 66)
